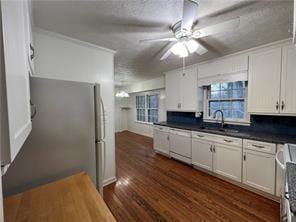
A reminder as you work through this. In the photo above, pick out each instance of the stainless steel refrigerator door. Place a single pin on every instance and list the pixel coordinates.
(98, 113)
(62, 141)
(100, 151)
(100, 136)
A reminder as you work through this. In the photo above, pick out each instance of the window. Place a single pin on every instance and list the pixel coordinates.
(228, 97)
(141, 106)
(147, 108)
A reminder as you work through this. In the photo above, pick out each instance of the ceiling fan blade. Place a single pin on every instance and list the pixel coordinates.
(218, 28)
(166, 51)
(189, 13)
(201, 49)
(172, 39)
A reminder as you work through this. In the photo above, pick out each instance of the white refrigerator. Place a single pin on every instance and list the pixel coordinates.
(68, 136)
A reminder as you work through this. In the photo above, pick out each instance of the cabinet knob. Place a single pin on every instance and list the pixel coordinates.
(283, 105)
(34, 110)
(33, 52)
(277, 105)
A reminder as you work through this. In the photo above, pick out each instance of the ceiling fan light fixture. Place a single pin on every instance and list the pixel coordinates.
(122, 94)
(180, 49)
(184, 52)
(176, 48)
(192, 46)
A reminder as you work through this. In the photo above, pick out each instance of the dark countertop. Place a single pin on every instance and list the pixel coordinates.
(244, 134)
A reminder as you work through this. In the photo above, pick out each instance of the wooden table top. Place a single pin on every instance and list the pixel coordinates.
(71, 199)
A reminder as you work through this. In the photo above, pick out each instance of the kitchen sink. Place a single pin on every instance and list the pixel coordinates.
(229, 130)
(218, 129)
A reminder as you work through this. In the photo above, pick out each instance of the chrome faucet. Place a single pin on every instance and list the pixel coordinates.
(222, 117)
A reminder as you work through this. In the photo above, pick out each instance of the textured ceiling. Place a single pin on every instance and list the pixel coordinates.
(119, 25)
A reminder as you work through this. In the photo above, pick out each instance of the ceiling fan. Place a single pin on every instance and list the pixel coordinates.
(186, 32)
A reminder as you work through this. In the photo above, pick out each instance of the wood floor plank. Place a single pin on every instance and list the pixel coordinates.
(151, 187)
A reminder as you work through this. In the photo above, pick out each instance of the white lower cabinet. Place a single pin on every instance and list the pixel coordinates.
(259, 167)
(220, 154)
(202, 153)
(227, 161)
(161, 140)
(242, 160)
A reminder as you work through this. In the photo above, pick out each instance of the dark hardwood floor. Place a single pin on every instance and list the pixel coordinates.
(151, 187)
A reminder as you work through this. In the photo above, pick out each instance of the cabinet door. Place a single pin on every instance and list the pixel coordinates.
(259, 170)
(161, 142)
(264, 81)
(16, 75)
(288, 89)
(188, 90)
(172, 91)
(29, 38)
(227, 161)
(202, 154)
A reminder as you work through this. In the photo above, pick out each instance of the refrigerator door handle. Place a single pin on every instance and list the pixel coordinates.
(104, 125)
(104, 168)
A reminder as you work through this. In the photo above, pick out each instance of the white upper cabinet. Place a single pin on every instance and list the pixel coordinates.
(223, 66)
(188, 90)
(264, 79)
(16, 75)
(223, 70)
(288, 80)
(29, 37)
(172, 90)
(271, 81)
(294, 25)
(181, 90)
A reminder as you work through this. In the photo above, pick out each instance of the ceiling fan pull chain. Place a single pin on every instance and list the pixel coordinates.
(183, 66)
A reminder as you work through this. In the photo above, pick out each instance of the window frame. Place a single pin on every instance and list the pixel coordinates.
(244, 121)
(141, 108)
(146, 108)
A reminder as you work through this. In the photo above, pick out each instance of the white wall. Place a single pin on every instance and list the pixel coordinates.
(120, 115)
(117, 115)
(127, 117)
(153, 84)
(60, 57)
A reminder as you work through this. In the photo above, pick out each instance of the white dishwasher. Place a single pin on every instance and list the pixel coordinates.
(180, 145)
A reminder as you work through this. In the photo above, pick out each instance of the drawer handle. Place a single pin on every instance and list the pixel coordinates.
(286, 195)
(228, 141)
(200, 136)
(258, 146)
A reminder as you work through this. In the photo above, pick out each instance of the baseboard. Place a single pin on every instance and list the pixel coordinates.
(142, 134)
(254, 190)
(109, 181)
